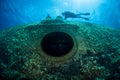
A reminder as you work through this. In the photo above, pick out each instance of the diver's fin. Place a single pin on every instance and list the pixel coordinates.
(83, 14)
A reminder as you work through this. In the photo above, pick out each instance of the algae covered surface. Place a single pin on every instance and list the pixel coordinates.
(94, 56)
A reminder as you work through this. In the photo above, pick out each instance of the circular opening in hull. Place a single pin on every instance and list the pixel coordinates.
(57, 44)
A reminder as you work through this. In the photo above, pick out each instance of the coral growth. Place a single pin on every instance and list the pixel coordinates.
(96, 53)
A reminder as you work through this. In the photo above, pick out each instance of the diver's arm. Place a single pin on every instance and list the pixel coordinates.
(66, 17)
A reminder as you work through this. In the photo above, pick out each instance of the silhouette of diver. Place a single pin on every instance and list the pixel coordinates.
(68, 14)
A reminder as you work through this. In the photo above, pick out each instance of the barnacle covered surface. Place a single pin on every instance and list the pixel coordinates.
(95, 55)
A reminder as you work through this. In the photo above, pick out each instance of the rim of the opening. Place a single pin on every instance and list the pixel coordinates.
(70, 54)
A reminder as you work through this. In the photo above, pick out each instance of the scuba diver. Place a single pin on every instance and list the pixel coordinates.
(68, 14)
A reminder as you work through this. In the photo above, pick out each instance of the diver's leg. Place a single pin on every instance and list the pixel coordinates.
(83, 18)
(83, 14)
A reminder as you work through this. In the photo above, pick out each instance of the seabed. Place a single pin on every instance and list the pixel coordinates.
(75, 51)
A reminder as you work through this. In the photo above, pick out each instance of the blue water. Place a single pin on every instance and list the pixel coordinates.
(18, 12)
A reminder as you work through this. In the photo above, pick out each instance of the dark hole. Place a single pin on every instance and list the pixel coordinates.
(57, 44)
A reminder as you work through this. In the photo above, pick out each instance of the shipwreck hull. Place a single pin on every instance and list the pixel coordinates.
(75, 51)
